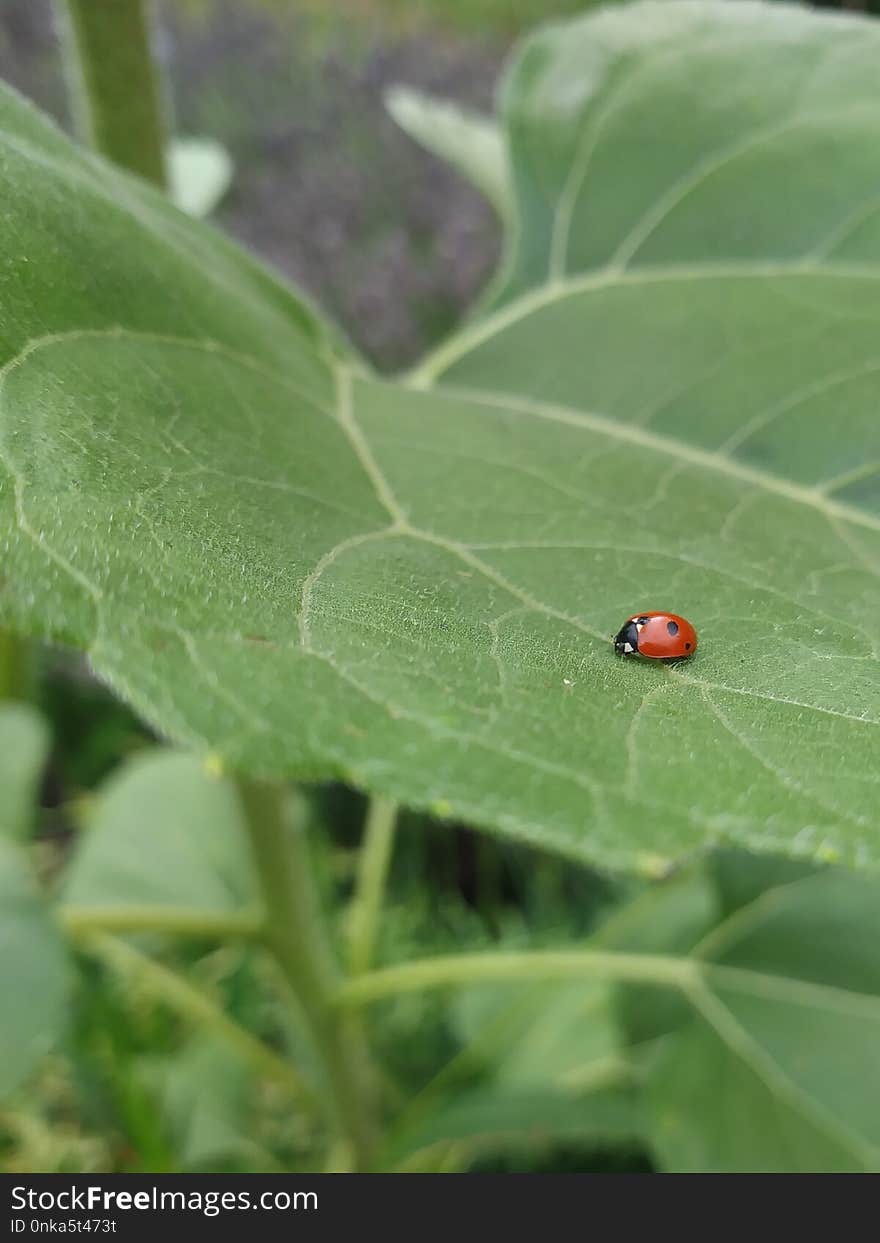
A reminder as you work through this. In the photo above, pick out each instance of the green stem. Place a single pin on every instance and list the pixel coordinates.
(171, 989)
(461, 969)
(373, 863)
(113, 84)
(294, 934)
(16, 667)
(82, 920)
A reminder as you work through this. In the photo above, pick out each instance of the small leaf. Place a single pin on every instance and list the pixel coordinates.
(472, 143)
(200, 172)
(24, 745)
(166, 834)
(34, 972)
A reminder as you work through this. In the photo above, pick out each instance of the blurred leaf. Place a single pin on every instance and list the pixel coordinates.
(558, 1035)
(741, 877)
(712, 1113)
(24, 746)
(824, 928)
(672, 404)
(537, 1065)
(208, 1099)
(471, 143)
(779, 1071)
(167, 834)
(550, 1069)
(649, 135)
(200, 172)
(670, 917)
(499, 1118)
(34, 972)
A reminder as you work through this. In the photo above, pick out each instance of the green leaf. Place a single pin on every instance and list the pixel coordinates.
(647, 136)
(560, 1037)
(472, 143)
(740, 877)
(787, 1031)
(671, 917)
(167, 839)
(550, 1069)
(671, 405)
(208, 1098)
(24, 745)
(737, 1125)
(34, 972)
(499, 1119)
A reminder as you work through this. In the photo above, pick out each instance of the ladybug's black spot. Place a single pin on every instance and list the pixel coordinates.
(687, 646)
(672, 627)
(643, 621)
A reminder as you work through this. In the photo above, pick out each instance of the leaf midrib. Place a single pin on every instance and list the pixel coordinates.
(484, 329)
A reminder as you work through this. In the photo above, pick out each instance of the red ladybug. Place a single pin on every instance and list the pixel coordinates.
(662, 636)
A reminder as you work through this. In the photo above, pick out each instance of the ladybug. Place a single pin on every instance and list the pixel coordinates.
(661, 636)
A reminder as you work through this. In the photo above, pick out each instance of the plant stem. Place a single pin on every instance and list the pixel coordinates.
(460, 969)
(295, 935)
(16, 667)
(113, 84)
(82, 920)
(173, 990)
(373, 863)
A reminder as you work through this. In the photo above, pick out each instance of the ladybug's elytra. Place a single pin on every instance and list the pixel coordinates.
(661, 636)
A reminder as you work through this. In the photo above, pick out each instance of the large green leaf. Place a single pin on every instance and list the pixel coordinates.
(671, 403)
(786, 1032)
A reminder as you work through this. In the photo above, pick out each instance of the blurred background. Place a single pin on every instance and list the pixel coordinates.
(317, 179)
(325, 186)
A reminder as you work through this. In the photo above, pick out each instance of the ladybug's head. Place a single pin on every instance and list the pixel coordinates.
(626, 641)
